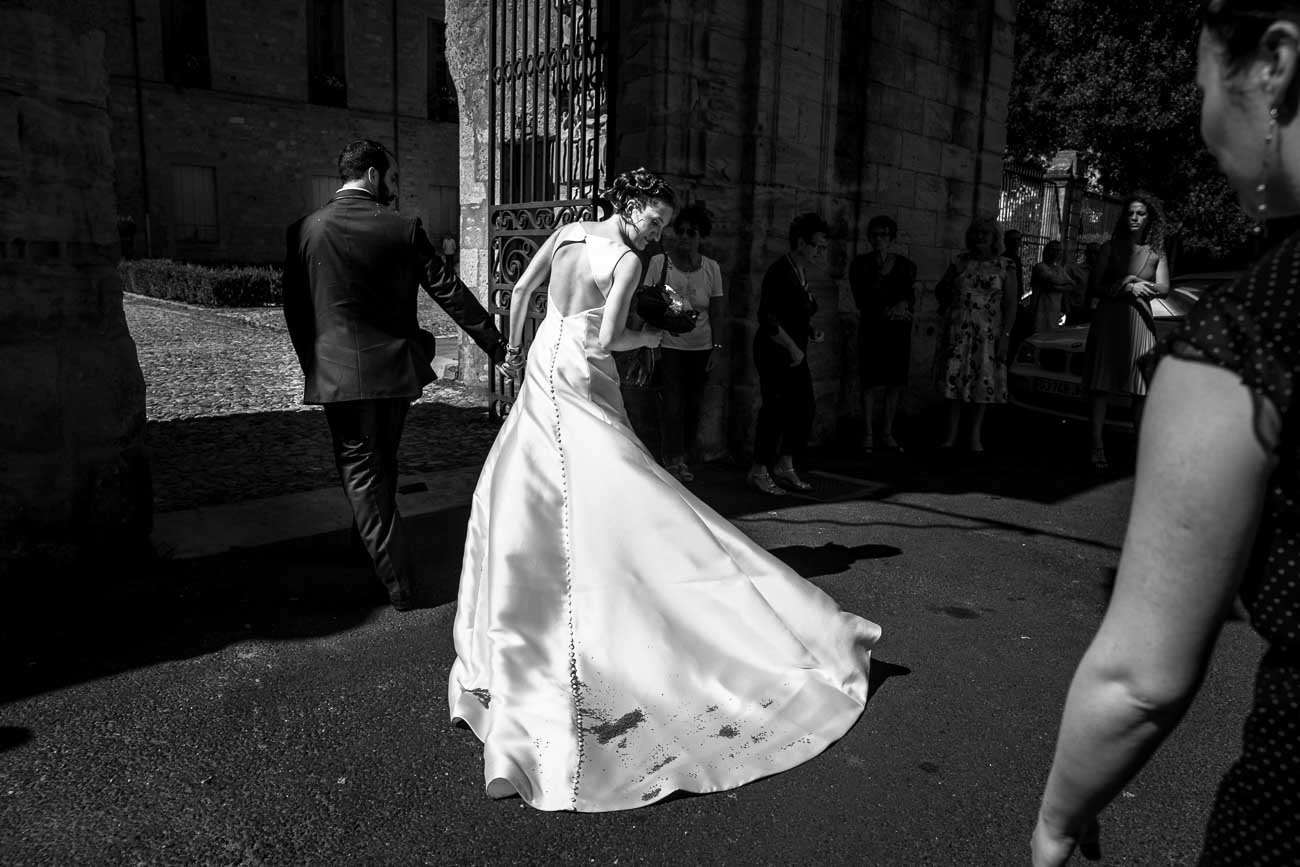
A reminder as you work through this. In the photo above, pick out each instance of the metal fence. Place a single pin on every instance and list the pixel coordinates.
(1046, 208)
(551, 62)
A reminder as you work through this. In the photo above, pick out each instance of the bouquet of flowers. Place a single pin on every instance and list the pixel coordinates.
(663, 307)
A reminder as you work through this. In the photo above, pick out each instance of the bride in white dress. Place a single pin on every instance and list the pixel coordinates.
(616, 639)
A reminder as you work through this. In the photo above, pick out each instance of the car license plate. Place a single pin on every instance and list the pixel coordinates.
(1057, 386)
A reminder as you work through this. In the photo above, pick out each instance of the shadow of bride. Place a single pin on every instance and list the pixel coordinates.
(880, 672)
(831, 558)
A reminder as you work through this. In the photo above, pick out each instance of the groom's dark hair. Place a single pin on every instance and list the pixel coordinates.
(361, 155)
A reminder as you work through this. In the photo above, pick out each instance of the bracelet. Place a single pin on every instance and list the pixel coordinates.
(513, 351)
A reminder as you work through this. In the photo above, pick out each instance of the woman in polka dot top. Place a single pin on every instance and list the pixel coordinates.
(1214, 511)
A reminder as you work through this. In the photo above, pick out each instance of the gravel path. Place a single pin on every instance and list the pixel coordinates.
(223, 395)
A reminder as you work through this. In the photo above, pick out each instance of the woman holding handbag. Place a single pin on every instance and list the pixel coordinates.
(1131, 270)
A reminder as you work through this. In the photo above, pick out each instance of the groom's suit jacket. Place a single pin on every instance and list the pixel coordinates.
(352, 276)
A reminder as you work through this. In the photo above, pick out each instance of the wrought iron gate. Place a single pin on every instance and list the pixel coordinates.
(549, 141)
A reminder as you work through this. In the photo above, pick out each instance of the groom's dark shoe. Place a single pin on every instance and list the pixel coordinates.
(404, 603)
(406, 598)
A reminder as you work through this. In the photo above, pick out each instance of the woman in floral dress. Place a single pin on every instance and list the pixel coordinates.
(978, 297)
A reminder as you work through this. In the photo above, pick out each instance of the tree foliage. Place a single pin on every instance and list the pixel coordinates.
(1116, 81)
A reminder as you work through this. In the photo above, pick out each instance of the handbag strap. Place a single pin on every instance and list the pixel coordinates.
(658, 266)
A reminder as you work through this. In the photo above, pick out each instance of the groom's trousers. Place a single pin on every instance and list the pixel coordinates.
(366, 434)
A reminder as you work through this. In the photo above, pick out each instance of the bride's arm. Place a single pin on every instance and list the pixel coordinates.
(538, 270)
(614, 333)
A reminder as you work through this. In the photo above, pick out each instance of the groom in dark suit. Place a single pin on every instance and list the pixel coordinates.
(351, 282)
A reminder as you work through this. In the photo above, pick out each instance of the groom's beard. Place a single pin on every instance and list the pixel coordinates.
(385, 195)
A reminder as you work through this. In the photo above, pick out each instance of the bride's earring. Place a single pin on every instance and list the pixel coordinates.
(1261, 209)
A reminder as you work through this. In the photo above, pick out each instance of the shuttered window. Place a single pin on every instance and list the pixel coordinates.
(441, 89)
(327, 75)
(194, 203)
(323, 188)
(443, 208)
(185, 43)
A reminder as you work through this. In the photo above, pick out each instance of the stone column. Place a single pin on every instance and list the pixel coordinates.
(467, 57)
(75, 486)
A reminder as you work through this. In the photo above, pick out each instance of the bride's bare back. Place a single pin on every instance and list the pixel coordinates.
(582, 268)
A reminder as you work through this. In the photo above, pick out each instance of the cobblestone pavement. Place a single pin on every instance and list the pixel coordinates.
(223, 394)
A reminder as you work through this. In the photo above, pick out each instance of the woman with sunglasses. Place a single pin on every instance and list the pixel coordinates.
(686, 359)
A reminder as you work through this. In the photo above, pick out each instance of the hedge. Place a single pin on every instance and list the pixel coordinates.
(204, 285)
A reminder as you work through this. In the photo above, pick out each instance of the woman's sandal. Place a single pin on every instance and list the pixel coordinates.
(790, 479)
(1098, 460)
(762, 482)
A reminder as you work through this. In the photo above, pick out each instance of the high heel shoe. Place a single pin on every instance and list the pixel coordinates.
(790, 479)
(762, 482)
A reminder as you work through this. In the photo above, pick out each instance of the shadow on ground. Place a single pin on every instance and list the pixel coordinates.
(831, 558)
(214, 460)
(1028, 457)
(310, 587)
(179, 609)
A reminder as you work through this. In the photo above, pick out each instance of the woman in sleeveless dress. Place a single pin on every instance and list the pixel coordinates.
(617, 640)
(1215, 514)
(977, 296)
(1131, 270)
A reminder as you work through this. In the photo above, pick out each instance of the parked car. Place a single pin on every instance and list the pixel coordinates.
(1047, 372)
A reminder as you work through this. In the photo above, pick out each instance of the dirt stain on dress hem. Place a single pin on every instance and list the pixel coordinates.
(606, 732)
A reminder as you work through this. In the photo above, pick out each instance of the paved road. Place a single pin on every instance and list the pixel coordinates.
(261, 706)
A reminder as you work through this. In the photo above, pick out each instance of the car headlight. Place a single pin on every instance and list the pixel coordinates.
(1025, 354)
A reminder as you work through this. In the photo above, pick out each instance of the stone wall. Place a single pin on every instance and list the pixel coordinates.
(75, 480)
(765, 110)
(899, 110)
(256, 127)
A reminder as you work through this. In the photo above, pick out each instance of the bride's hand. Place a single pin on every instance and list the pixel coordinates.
(652, 336)
(512, 366)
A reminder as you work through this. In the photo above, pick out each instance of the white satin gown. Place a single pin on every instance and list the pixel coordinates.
(616, 639)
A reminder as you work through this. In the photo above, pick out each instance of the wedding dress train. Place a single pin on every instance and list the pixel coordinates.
(617, 639)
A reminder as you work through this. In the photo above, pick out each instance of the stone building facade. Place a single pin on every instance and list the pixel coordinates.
(74, 480)
(212, 136)
(228, 115)
(761, 111)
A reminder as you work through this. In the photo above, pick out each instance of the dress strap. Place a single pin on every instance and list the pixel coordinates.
(566, 242)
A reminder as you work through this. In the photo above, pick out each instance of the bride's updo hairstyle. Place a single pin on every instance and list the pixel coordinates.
(638, 185)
